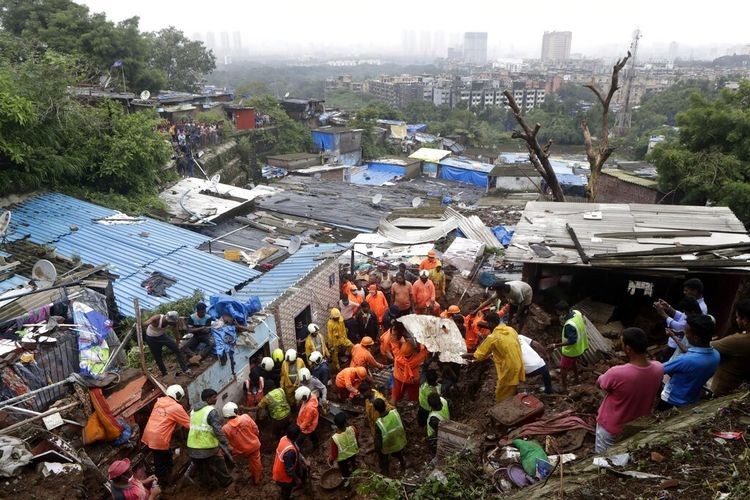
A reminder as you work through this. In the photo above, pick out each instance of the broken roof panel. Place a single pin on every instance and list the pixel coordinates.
(430, 154)
(133, 249)
(605, 230)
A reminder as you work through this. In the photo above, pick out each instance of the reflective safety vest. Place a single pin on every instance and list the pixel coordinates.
(277, 404)
(201, 435)
(424, 392)
(392, 431)
(442, 414)
(575, 350)
(346, 442)
(279, 471)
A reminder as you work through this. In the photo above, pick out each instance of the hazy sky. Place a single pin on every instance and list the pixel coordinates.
(512, 26)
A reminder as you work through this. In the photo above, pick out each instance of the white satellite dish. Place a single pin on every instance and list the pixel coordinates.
(145, 95)
(294, 243)
(377, 199)
(416, 201)
(215, 179)
(4, 222)
(286, 95)
(44, 273)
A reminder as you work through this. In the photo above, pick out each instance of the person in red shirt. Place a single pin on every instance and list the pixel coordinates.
(243, 436)
(125, 487)
(407, 372)
(631, 389)
(167, 414)
(423, 291)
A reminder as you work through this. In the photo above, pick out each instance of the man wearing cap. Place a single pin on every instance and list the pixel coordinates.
(199, 326)
(315, 342)
(362, 354)
(430, 262)
(377, 302)
(348, 381)
(338, 342)
(167, 414)
(243, 436)
(450, 312)
(157, 336)
(502, 344)
(126, 487)
(423, 291)
(205, 439)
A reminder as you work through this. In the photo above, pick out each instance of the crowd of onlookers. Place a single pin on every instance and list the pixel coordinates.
(188, 137)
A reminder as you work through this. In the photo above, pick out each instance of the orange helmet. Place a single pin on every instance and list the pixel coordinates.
(361, 372)
(366, 341)
(454, 309)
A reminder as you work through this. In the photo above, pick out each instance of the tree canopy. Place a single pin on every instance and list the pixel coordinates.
(710, 159)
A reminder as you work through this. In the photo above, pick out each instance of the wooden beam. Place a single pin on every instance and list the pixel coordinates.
(654, 234)
(581, 252)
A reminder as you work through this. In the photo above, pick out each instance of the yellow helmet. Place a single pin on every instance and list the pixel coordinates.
(277, 355)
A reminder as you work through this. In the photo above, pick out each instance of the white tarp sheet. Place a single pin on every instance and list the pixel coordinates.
(438, 335)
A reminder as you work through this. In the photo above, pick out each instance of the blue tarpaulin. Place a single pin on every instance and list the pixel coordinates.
(220, 305)
(503, 235)
(323, 142)
(413, 128)
(465, 176)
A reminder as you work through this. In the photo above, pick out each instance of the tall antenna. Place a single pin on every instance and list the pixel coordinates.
(623, 119)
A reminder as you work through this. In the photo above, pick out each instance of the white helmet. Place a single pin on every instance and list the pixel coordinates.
(302, 393)
(229, 410)
(312, 328)
(304, 374)
(291, 356)
(315, 357)
(267, 364)
(175, 392)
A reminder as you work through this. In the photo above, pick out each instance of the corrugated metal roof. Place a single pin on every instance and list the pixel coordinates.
(132, 250)
(630, 178)
(278, 280)
(465, 164)
(15, 281)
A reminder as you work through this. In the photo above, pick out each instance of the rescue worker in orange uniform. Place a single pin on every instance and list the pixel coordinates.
(348, 381)
(448, 313)
(289, 466)
(430, 262)
(243, 436)
(167, 414)
(423, 291)
(307, 418)
(362, 354)
(391, 340)
(407, 372)
(351, 290)
(377, 302)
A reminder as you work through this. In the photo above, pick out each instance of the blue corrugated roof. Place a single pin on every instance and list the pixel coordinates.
(4, 254)
(133, 250)
(12, 283)
(278, 280)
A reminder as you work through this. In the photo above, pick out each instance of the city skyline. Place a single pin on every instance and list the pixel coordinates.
(273, 28)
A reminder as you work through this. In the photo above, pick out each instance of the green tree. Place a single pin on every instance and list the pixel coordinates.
(289, 136)
(710, 161)
(184, 62)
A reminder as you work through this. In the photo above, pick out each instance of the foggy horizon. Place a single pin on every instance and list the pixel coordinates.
(394, 29)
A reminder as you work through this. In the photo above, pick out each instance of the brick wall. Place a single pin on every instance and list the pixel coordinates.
(315, 291)
(610, 189)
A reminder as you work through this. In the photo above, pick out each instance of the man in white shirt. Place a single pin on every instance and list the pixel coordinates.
(533, 363)
(519, 294)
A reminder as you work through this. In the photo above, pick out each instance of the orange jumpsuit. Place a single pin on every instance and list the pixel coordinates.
(347, 381)
(242, 434)
(307, 419)
(361, 356)
(406, 374)
(378, 304)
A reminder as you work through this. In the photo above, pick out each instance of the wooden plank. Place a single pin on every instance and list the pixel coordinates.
(653, 234)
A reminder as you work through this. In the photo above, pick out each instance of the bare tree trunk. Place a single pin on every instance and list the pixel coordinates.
(598, 155)
(538, 155)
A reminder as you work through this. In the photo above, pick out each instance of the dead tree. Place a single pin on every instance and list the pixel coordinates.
(598, 155)
(538, 155)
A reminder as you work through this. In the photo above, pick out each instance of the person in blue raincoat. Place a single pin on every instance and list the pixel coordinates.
(224, 332)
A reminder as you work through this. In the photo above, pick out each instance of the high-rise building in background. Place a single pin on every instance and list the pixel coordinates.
(409, 42)
(475, 47)
(556, 45)
(236, 42)
(211, 40)
(224, 42)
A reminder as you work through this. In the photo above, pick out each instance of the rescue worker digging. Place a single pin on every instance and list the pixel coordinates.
(390, 436)
(243, 435)
(289, 466)
(167, 414)
(205, 439)
(307, 418)
(344, 446)
(275, 403)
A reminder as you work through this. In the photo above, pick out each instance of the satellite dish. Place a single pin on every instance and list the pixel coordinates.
(216, 178)
(377, 199)
(286, 95)
(44, 273)
(4, 222)
(104, 81)
(145, 95)
(294, 243)
(416, 201)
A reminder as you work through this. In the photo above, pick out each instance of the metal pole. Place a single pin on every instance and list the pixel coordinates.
(119, 348)
(31, 412)
(47, 413)
(139, 331)
(27, 395)
(13, 297)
